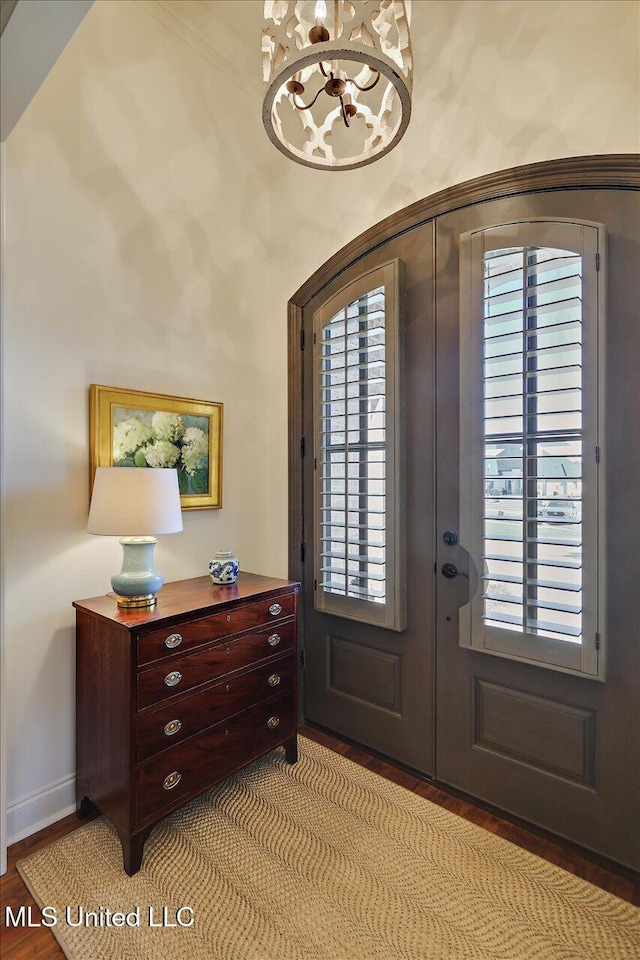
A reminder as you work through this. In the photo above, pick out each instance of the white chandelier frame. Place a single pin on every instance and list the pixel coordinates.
(315, 151)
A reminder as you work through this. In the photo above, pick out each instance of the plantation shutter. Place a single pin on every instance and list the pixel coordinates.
(358, 451)
(531, 452)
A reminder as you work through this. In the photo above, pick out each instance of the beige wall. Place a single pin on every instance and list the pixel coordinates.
(154, 236)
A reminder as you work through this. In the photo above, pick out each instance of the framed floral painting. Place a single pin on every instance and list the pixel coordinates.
(133, 429)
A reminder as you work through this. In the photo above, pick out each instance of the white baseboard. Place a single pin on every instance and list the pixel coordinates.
(37, 810)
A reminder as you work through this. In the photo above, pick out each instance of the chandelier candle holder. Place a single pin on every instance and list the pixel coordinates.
(338, 79)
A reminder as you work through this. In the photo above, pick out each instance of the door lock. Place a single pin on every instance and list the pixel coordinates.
(449, 570)
(450, 538)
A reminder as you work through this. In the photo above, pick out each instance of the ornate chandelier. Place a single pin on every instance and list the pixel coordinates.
(337, 86)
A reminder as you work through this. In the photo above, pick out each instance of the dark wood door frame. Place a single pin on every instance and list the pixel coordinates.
(606, 172)
(584, 185)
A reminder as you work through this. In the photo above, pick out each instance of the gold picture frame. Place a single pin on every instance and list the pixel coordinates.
(131, 428)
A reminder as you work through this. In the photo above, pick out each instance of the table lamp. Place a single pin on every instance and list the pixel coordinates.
(134, 503)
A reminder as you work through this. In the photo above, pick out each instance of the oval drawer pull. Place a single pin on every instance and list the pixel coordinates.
(173, 641)
(173, 678)
(275, 609)
(172, 780)
(273, 722)
(274, 679)
(273, 640)
(172, 728)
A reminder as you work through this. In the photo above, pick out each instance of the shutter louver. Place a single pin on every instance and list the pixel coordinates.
(352, 459)
(532, 396)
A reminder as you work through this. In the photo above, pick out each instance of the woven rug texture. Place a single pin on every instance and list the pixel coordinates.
(324, 859)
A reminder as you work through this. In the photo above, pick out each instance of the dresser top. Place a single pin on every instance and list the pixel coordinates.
(199, 595)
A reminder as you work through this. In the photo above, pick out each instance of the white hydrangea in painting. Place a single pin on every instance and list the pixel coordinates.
(128, 436)
(194, 448)
(162, 453)
(147, 438)
(167, 426)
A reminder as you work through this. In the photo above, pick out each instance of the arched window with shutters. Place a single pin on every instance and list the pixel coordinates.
(358, 516)
(531, 444)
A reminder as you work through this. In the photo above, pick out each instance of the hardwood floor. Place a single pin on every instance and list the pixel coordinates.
(24, 943)
(38, 943)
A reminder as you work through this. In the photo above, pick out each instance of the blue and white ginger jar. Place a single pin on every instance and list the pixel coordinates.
(224, 567)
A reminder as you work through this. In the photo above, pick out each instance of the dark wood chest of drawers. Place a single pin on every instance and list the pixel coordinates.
(172, 700)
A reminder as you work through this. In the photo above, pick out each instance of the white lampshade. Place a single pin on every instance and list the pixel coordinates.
(135, 502)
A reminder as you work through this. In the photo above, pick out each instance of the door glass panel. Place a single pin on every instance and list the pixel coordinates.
(532, 415)
(353, 433)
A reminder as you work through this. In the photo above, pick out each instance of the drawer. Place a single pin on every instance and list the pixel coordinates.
(171, 724)
(212, 755)
(159, 683)
(183, 636)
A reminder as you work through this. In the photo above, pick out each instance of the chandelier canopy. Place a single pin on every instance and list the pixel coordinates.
(337, 81)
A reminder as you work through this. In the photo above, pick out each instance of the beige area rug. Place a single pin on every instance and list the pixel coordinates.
(324, 859)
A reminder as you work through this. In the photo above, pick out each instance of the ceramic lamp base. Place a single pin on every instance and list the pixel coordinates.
(138, 582)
